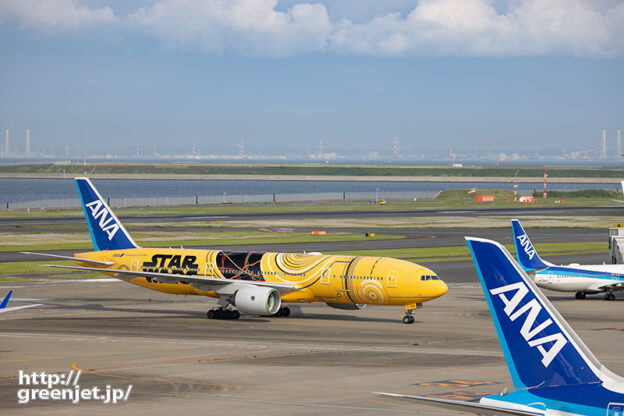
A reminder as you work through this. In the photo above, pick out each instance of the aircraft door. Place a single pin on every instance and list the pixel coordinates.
(549, 279)
(615, 409)
(208, 270)
(392, 279)
(325, 276)
(134, 265)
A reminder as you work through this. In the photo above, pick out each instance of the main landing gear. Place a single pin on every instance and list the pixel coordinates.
(222, 313)
(580, 295)
(283, 312)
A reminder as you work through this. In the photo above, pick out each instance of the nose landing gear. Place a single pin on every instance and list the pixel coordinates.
(409, 312)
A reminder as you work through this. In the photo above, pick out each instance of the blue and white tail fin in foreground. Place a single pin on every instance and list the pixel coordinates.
(5, 302)
(527, 255)
(553, 372)
(107, 232)
(540, 348)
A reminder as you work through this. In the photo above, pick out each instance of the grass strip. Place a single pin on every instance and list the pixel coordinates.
(234, 238)
(459, 253)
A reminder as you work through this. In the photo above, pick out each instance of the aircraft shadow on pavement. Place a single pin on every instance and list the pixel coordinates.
(202, 314)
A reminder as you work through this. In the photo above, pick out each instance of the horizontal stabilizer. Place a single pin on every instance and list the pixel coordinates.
(202, 282)
(459, 406)
(80, 259)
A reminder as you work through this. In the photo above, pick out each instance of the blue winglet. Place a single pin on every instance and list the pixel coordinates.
(6, 300)
(527, 255)
(540, 348)
(107, 232)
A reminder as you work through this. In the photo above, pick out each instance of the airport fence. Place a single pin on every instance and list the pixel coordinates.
(120, 202)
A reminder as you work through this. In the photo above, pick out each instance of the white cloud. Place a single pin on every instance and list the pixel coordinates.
(475, 28)
(249, 27)
(54, 14)
(429, 28)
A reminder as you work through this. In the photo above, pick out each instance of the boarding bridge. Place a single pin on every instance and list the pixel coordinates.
(616, 244)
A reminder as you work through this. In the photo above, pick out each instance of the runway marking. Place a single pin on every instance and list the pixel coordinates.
(456, 383)
(620, 328)
(460, 395)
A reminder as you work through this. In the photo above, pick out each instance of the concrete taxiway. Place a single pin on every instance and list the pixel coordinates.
(320, 361)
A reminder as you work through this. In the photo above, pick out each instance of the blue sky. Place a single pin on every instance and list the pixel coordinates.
(467, 74)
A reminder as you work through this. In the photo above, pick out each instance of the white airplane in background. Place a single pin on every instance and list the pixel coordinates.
(591, 279)
(5, 302)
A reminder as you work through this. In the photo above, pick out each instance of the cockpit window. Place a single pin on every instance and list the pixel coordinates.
(429, 277)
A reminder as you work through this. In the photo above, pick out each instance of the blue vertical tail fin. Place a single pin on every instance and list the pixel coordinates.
(107, 232)
(6, 300)
(526, 253)
(540, 348)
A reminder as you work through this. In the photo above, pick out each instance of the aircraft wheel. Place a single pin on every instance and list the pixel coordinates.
(408, 319)
(580, 295)
(283, 312)
(210, 314)
(218, 314)
(235, 314)
(609, 296)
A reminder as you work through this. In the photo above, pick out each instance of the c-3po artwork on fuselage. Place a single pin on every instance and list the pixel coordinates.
(254, 283)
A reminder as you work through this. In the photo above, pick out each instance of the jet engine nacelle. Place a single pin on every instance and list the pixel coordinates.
(347, 306)
(257, 300)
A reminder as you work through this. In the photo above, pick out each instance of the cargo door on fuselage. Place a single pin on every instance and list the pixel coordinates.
(329, 287)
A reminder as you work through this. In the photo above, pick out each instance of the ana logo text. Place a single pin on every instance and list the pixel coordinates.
(526, 245)
(107, 224)
(532, 309)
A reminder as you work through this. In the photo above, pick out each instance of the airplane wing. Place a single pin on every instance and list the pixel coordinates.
(616, 286)
(219, 285)
(57, 256)
(459, 406)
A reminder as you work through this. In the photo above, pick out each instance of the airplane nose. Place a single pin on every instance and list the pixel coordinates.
(441, 288)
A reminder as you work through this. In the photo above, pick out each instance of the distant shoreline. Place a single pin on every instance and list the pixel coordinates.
(342, 178)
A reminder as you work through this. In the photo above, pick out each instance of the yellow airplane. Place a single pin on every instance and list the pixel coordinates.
(254, 283)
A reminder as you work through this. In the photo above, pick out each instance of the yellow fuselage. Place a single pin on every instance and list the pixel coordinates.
(321, 278)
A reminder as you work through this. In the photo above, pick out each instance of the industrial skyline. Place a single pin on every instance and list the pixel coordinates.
(391, 152)
(514, 76)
